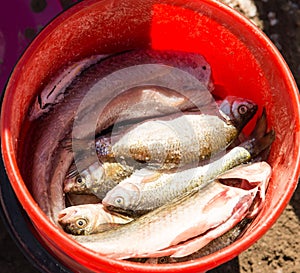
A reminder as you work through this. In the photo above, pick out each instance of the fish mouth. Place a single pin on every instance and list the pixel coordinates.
(64, 215)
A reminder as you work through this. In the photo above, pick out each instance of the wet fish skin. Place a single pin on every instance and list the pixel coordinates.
(89, 219)
(55, 126)
(191, 85)
(217, 244)
(147, 189)
(193, 211)
(97, 179)
(133, 105)
(186, 139)
(54, 92)
(238, 111)
(189, 149)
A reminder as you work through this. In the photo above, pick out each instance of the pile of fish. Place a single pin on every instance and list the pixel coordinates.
(136, 159)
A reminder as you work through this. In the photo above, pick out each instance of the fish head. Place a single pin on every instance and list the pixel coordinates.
(76, 184)
(125, 196)
(238, 111)
(76, 220)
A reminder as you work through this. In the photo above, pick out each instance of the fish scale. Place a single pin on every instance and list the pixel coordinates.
(168, 143)
(162, 227)
(175, 143)
(140, 193)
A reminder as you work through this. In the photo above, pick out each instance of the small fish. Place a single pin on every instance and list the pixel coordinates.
(167, 144)
(174, 228)
(97, 179)
(148, 189)
(89, 219)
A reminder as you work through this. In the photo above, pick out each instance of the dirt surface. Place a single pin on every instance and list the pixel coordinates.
(278, 250)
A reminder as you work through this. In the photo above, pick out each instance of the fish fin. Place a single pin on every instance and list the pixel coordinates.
(72, 172)
(262, 156)
(261, 126)
(219, 198)
(67, 144)
(151, 178)
(105, 227)
(256, 146)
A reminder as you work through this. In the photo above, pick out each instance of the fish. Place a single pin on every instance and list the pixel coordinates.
(97, 179)
(89, 219)
(174, 229)
(54, 91)
(82, 199)
(200, 128)
(134, 105)
(47, 133)
(187, 139)
(215, 245)
(148, 189)
(228, 121)
(179, 80)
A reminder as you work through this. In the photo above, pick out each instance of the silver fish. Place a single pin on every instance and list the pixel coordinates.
(88, 219)
(167, 144)
(49, 130)
(172, 142)
(174, 229)
(97, 179)
(54, 91)
(217, 244)
(148, 189)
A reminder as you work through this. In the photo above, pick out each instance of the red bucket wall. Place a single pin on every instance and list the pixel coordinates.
(243, 62)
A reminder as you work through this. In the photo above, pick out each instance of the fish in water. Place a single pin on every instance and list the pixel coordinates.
(148, 189)
(88, 219)
(97, 179)
(174, 228)
(188, 139)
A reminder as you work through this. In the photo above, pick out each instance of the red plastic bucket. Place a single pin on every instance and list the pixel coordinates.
(244, 62)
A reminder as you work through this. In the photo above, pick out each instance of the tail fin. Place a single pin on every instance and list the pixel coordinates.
(256, 146)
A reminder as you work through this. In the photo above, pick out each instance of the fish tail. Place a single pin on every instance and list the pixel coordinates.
(256, 146)
(260, 128)
(72, 172)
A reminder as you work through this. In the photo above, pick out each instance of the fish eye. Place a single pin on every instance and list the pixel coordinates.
(119, 201)
(79, 179)
(81, 223)
(243, 109)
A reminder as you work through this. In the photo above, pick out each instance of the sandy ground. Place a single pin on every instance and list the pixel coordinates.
(278, 250)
